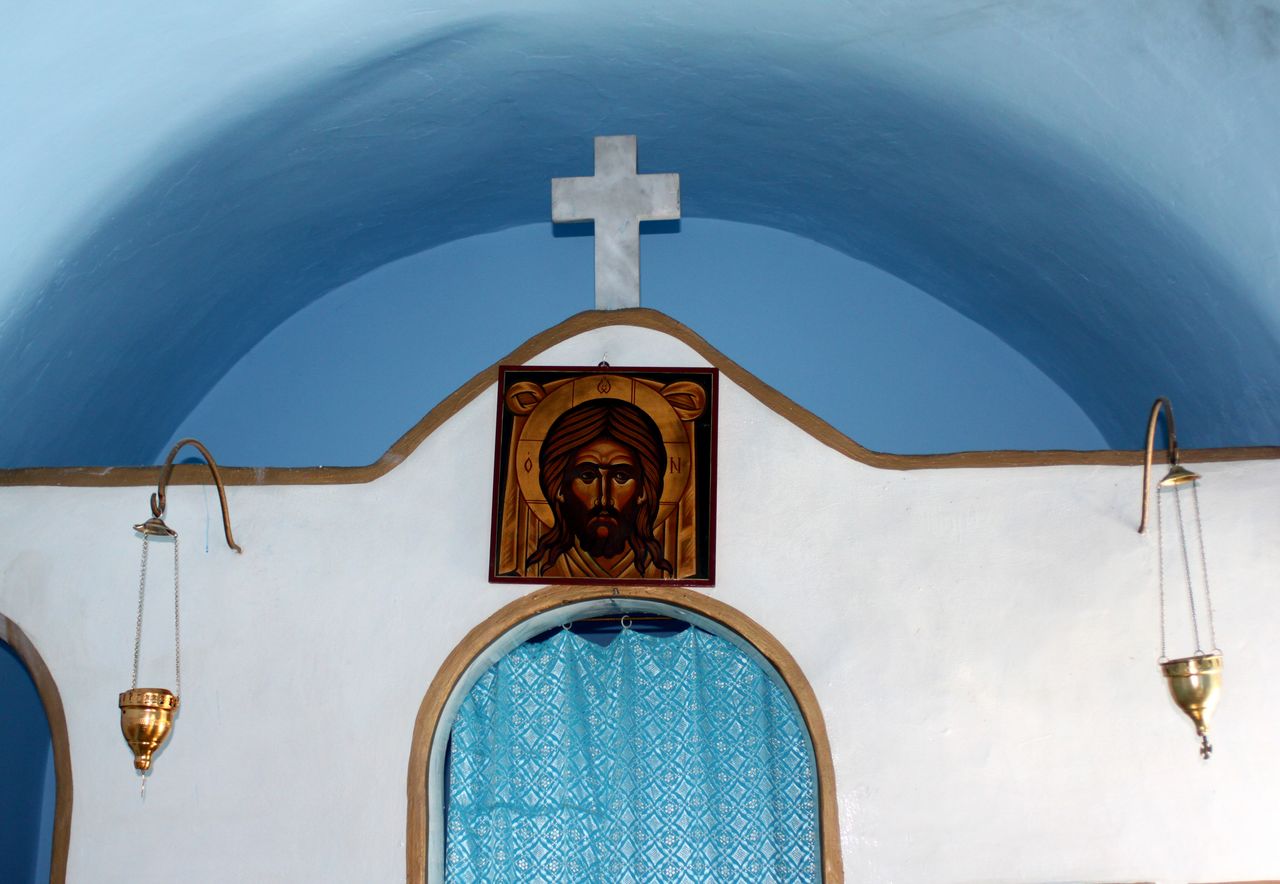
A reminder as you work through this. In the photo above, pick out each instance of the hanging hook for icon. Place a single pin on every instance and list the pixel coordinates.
(625, 622)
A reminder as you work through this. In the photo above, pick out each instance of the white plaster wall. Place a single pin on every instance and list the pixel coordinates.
(982, 643)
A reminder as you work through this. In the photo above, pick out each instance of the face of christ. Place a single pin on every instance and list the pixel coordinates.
(601, 468)
(602, 486)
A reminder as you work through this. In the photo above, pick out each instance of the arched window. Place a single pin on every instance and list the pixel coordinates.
(700, 755)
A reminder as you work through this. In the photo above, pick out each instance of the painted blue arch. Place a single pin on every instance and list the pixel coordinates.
(899, 372)
(458, 134)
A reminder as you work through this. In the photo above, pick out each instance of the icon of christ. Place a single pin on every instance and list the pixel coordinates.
(599, 476)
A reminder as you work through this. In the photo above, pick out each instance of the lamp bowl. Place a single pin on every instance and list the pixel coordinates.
(146, 718)
(1195, 684)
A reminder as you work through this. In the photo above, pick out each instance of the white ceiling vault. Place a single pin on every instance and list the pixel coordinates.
(1095, 184)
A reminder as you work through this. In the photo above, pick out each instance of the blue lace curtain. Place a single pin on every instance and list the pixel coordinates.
(652, 759)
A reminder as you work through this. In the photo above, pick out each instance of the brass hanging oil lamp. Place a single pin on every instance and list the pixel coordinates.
(1195, 681)
(146, 714)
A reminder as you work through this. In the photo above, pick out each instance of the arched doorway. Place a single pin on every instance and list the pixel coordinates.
(33, 755)
(521, 620)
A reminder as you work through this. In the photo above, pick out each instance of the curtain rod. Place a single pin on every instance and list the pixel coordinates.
(634, 618)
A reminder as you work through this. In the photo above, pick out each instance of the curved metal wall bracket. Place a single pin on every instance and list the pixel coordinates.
(1177, 474)
(156, 525)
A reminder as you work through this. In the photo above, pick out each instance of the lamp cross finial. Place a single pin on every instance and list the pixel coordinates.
(617, 199)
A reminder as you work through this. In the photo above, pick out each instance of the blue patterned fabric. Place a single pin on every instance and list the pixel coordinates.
(653, 759)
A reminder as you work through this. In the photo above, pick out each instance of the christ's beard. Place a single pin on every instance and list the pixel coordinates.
(603, 533)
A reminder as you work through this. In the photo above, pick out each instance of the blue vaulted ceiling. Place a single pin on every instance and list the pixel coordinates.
(1054, 243)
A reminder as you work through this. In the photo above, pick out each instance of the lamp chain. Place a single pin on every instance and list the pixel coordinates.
(1164, 651)
(177, 632)
(1186, 564)
(142, 591)
(1204, 570)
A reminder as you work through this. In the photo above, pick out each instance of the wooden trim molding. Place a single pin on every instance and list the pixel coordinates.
(640, 317)
(429, 721)
(13, 635)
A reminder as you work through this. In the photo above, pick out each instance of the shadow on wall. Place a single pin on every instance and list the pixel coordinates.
(458, 134)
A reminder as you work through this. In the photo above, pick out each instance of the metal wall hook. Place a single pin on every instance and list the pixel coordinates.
(1177, 475)
(156, 525)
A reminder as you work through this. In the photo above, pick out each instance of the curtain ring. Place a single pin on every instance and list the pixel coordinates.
(626, 621)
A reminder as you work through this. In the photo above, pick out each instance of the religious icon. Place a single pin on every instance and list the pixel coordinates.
(605, 475)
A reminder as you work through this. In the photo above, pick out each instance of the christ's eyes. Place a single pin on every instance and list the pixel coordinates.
(589, 474)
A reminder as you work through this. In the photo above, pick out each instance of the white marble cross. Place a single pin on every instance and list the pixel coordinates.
(617, 199)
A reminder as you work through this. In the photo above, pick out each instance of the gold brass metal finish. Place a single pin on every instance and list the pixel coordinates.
(1178, 475)
(1195, 684)
(146, 717)
(155, 527)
